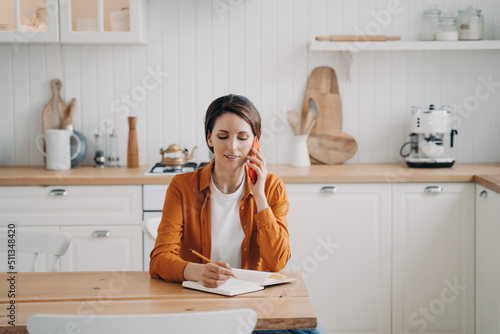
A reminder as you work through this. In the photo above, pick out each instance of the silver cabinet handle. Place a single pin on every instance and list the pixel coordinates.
(328, 190)
(101, 234)
(434, 189)
(483, 194)
(58, 192)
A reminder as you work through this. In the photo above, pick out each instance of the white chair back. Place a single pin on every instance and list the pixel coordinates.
(150, 227)
(38, 242)
(238, 321)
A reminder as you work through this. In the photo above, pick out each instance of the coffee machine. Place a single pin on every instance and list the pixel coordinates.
(431, 138)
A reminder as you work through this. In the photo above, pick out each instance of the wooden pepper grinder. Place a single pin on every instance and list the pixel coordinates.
(133, 150)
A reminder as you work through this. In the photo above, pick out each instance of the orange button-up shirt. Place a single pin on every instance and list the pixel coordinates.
(185, 224)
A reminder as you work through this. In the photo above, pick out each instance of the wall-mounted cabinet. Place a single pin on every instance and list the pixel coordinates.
(23, 21)
(103, 21)
(73, 21)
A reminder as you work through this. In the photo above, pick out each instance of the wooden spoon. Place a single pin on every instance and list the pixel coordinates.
(67, 118)
(293, 117)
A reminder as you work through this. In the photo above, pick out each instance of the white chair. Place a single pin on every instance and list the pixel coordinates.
(150, 227)
(37, 242)
(241, 321)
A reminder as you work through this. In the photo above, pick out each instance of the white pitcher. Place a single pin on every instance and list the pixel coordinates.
(300, 153)
(57, 143)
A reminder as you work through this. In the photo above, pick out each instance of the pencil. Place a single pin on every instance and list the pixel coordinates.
(206, 259)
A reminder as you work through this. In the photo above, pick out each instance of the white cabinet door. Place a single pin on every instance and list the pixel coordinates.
(85, 21)
(29, 21)
(103, 248)
(487, 261)
(71, 205)
(340, 240)
(433, 261)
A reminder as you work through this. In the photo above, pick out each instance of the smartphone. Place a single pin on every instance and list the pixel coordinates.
(252, 173)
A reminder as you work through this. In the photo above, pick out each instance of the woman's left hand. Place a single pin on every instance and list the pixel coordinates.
(258, 187)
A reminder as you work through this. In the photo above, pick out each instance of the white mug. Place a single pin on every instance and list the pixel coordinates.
(57, 143)
(300, 153)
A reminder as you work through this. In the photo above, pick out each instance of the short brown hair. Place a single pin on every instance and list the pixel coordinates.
(235, 104)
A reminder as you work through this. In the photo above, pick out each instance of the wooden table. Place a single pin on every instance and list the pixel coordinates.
(285, 306)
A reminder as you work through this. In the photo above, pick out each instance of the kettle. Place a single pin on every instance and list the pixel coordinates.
(174, 156)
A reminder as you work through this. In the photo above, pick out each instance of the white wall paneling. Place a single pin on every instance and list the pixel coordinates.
(6, 110)
(258, 48)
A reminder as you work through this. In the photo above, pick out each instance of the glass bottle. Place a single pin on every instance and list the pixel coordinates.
(447, 29)
(430, 22)
(99, 157)
(113, 150)
(470, 24)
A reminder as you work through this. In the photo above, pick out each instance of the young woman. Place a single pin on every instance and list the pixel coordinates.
(218, 212)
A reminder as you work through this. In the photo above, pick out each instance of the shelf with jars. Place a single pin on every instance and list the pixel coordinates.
(447, 31)
(29, 21)
(73, 21)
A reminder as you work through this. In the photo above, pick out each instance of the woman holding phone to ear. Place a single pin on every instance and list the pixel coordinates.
(218, 212)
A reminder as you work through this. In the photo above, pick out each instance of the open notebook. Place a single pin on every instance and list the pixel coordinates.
(246, 281)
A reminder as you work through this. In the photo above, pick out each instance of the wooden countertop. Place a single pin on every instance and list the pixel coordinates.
(346, 173)
(491, 182)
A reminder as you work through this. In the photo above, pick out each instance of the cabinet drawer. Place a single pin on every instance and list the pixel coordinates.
(103, 248)
(71, 205)
(154, 196)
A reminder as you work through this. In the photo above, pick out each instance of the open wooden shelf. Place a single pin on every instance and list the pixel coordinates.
(404, 45)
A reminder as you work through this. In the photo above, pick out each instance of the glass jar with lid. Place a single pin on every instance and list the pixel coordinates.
(470, 24)
(430, 22)
(447, 29)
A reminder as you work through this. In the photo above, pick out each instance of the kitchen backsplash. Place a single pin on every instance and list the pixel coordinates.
(198, 50)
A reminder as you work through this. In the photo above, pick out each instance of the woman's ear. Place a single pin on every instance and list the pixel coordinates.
(209, 140)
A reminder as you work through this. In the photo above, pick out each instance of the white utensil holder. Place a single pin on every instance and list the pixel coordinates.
(300, 152)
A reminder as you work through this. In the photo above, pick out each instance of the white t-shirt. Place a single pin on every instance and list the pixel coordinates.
(227, 234)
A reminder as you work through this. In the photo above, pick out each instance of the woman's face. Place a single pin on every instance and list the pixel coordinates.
(231, 139)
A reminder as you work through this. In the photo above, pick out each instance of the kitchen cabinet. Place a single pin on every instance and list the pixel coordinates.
(29, 21)
(340, 240)
(103, 248)
(103, 21)
(433, 258)
(487, 261)
(81, 211)
(75, 21)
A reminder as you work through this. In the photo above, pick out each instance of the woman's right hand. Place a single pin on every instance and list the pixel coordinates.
(210, 275)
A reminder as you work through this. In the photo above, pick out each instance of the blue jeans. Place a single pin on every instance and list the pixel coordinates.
(317, 330)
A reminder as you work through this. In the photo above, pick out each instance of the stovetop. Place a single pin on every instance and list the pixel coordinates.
(159, 169)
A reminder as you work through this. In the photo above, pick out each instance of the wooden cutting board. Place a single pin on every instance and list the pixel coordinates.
(327, 143)
(54, 112)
